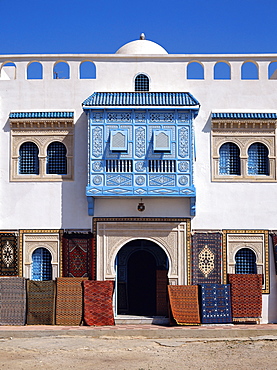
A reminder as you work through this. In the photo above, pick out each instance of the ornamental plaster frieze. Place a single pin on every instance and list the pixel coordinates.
(41, 124)
(251, 124)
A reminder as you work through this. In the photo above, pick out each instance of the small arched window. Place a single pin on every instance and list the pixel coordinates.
(229, 159)
(41, 264)
(61, 71)
(245, 262)
(28, 159)
(141, 83)
(56, 159)
(34, 71)
(258, 162)
(249, 71)
(87, 70)
(195, 71)
(222, 71)
(272, 71)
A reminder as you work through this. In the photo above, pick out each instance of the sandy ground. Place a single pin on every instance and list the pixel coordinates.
(135, 353)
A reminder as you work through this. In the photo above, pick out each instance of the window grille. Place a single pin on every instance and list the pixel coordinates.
(161, 165)
(41, 265)
(142, 83)
(229, 159)
(56, 159)
(28, 159)
(245, 262)
(119, 165)
(258, 163)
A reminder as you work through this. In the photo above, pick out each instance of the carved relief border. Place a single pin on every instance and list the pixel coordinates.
(52, 240)
(179, 252)
(256, 240)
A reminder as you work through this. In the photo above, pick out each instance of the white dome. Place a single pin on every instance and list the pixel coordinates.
(141, 46)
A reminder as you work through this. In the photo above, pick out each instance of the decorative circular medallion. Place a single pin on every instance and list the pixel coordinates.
(183, 180)
(139, 166)
(140, 180)
(183, 166)
(97, 166)
(97, 180)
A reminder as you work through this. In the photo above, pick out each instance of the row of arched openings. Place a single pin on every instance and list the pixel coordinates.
(245, 260)
(257, 163)
(195, 70)
(56, 161)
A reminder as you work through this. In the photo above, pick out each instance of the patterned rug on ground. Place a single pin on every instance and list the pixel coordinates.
(246, 296)
(215, 303)
(274, 241)
(184, 304)
(206, 258)
(8, 254)
(12, 301)
(77, 255)
(98, 307)
(69, 301)
(41, 302)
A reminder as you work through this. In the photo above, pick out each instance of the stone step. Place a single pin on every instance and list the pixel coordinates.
(147, 320)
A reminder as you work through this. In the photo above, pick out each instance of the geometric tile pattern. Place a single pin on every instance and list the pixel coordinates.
(246, 295)
(98, 307)
(206, 258)
(215, 303)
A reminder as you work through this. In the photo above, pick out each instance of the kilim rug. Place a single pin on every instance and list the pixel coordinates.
(77, 255)
(69, 301)
(184, 304)
(8, 254)
(206, 258)
(274, 241)
(215, 303)
(41, 302)
(98, 307)
(12, 301)
(246, 295)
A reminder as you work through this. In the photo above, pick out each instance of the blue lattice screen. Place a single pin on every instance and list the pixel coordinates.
(28, 159)
(229, 159)
(245, 262)
(56, 159)
(142, 83)
(41, 265)
(258, 159)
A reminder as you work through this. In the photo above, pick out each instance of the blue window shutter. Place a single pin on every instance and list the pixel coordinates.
(258, 163)
(229, 159)
(245, 262)
(41, 265)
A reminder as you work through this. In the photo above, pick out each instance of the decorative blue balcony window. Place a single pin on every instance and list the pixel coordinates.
(118, 140)
(245, 262)
(162, 165)
(28, 159)
(162, 140)
(119, 165)
(258, 162)
(56, 159)
(41, 264)
(141, 83)
(229, 159)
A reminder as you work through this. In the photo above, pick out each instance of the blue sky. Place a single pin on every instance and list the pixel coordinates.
(180, 26)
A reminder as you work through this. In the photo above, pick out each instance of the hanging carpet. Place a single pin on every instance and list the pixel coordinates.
(69, 301)
(77, 255)
(8, 254)
(41, 302)
(184, 304)
(206, 258)
(215, 303)
(98, 307)
(246, 295)
(274, 241)
(12, 301)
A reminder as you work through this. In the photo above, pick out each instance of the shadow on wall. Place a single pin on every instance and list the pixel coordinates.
(74, 210)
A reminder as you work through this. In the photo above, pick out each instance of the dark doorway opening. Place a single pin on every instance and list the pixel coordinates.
(142, 279)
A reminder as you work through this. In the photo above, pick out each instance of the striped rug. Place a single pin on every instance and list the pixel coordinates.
(69, 301)
(98, 307)
(12, 301)
(41, 302)
(184, 304)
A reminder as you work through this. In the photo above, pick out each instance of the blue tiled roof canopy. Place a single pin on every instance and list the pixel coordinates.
(140, 99)
(41, 115)
(244, 115)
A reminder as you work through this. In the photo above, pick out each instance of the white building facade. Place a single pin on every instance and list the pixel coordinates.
(164, 164)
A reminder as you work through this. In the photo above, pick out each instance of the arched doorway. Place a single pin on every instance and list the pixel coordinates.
(142, 268)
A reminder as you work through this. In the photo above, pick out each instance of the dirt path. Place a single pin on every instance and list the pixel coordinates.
(64, 353)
